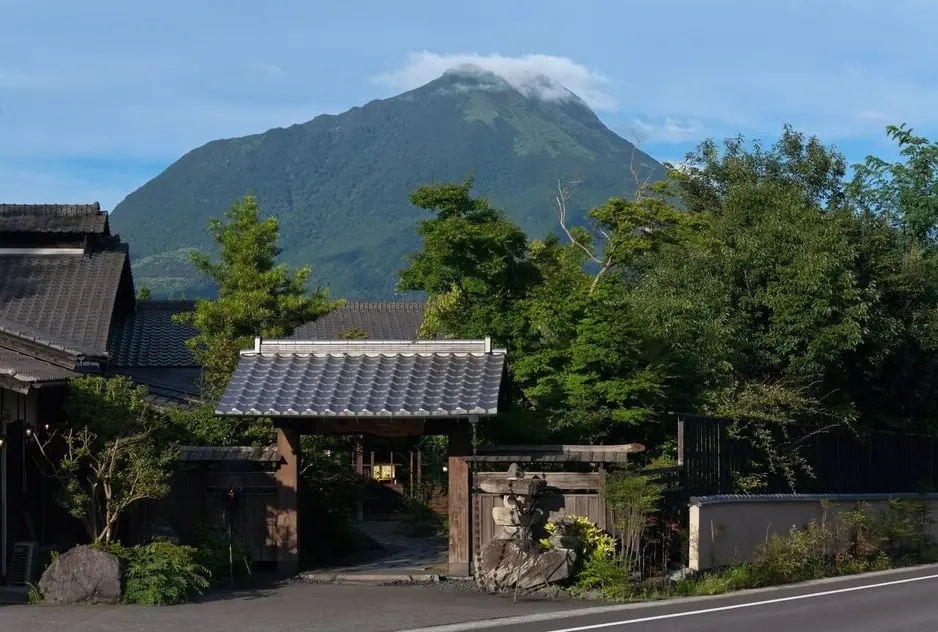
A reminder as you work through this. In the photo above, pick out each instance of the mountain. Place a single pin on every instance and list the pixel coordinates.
(339, 183)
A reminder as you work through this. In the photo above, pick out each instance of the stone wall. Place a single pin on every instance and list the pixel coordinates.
(729, 529)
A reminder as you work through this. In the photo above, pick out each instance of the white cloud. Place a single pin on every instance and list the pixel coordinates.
(872, 115)
(668, 130)
(524, 73)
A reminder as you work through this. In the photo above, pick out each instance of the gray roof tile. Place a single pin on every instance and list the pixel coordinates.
(81, 219)
(63, 300)
(256, 454)
(179, 382)
(150, 338)
(381, 320)
(378, 380)
(25, 368)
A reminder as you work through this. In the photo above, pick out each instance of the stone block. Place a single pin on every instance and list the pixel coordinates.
(83, 574)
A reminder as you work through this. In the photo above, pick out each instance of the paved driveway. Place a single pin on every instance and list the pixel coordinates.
(289, 608)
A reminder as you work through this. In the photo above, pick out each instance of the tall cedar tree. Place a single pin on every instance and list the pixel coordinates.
(256, 296)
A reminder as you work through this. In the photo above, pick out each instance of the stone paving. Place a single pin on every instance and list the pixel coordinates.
(405, 555)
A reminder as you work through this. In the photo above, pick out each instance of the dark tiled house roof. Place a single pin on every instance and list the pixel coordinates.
(427, 378)
(25, 368)
(63, 300)
(63, 281)
(81, 219)
(380, 320)
(151, 349)
(150, 338)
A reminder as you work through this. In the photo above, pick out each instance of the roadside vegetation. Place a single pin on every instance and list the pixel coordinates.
(857, 540)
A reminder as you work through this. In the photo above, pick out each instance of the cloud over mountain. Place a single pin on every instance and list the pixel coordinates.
(525, 73)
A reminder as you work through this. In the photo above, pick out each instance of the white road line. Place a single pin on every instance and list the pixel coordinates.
(752, 604)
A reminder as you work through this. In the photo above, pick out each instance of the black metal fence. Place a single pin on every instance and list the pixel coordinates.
(841, 461)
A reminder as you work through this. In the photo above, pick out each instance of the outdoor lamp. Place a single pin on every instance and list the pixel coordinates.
(3, 441)
(28, 433)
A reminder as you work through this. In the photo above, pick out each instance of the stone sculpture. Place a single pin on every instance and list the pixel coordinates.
(513, 559)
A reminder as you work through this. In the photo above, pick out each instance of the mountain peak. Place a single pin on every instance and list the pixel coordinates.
(473, 77)
(339, 184)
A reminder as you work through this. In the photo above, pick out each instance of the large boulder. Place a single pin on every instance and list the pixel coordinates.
(507, 564)
(83, 574)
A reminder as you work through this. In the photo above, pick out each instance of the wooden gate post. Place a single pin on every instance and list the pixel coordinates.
(288, 481)
(460, 445)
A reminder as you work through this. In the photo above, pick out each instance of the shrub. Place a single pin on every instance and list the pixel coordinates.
(212, 544)
(160, 572)
(798, 556)
(597, 567)
(594, 542)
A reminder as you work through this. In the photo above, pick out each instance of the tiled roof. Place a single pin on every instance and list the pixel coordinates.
(365, 378)
(53, 218)
(381, 320)
(66, 300)
(178, 382)
(150, 338)
(28, 369)
(256, 454)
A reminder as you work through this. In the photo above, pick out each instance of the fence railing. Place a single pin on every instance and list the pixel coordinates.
(839, 460)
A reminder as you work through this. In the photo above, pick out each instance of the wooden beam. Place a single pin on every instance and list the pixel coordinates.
(626, 448)
(494, 482)
(460, 444)
(377, 426)
(287, 534)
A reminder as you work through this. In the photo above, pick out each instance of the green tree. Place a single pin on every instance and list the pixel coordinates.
(771, 292)
(113, 452)
(904, 193)
(896, 209)
(144, 294)
(256, 296)
(473, 264)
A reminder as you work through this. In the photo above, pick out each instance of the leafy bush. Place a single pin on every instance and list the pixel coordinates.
(160, 572)
(212, 544)
(597, 567)
(799, 556)
(858, 540)
(594, 542)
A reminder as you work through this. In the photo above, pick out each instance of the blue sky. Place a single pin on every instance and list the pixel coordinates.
(98, 96)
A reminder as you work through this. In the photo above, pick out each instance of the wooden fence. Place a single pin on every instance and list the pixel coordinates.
(201, 497)
(841, 460)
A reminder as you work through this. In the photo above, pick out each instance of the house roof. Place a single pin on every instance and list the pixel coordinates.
(380, 320)
(363, 378)
(63, 300)
(256, 454)
(150, 348)
(150, 338)
(80, 219)
(25, 368)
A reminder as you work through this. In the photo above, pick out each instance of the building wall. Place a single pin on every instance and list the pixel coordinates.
(729, 529)
(28, 511)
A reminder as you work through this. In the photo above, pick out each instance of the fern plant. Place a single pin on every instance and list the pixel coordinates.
(163, 573)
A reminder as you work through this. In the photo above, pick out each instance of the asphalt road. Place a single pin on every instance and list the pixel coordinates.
(288, 608)
(905, 601)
